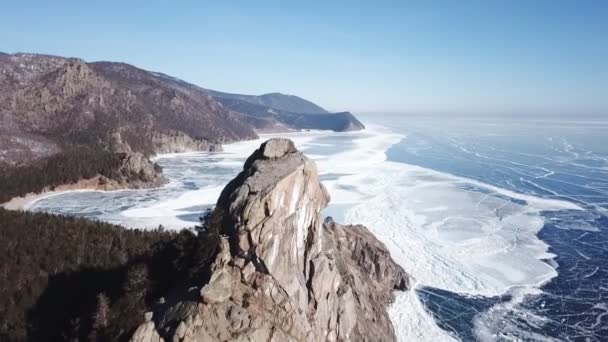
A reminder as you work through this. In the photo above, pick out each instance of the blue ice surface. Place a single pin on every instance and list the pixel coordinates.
(551, 158)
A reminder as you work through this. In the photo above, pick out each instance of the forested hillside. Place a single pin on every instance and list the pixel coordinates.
(64, 278)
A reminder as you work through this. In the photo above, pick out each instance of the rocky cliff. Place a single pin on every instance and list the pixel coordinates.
(280, 272)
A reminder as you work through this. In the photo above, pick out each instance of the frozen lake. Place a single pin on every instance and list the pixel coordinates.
(501, 223)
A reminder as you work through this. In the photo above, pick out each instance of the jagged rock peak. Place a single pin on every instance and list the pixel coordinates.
(272, 149)
(276, 148)
(280, 272)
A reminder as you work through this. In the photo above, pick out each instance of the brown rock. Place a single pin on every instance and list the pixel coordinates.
(281, 274)
(146, 333)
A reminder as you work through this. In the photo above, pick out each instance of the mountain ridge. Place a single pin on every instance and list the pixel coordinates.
(276, 100)
(272, 112)
(53, 106)
(266, 118)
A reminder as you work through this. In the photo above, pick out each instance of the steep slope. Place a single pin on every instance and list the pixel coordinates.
(288, 103)
(276, 112)
(266, 118)
(63, 121)
(97, 104)
(280, 273)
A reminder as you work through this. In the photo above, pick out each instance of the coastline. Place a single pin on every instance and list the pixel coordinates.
(23, 202)
(91, 184)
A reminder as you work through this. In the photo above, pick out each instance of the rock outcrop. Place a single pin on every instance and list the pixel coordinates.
(177, 142)
(136, 166)
(280, 273)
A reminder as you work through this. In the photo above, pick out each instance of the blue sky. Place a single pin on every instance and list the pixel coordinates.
(375, 56)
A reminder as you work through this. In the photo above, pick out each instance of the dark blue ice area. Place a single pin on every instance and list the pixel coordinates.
(549, 158)
(455, 313)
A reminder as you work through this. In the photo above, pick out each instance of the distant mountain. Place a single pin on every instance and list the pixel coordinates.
(265, 118)
(288, 103)
(275, 111)
(56, 110)
(279, 112)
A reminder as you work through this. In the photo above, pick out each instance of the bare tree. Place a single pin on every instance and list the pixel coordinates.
(102, 315)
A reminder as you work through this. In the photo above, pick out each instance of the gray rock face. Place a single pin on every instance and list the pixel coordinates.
(177, 142)
(137, 163)
(146, 333)
(134, 171)
(367, 268)
(281, 274)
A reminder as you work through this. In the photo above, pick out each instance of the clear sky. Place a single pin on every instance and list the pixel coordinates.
(511, 56)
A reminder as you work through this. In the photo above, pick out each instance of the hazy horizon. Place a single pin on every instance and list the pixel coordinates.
(478, 58)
